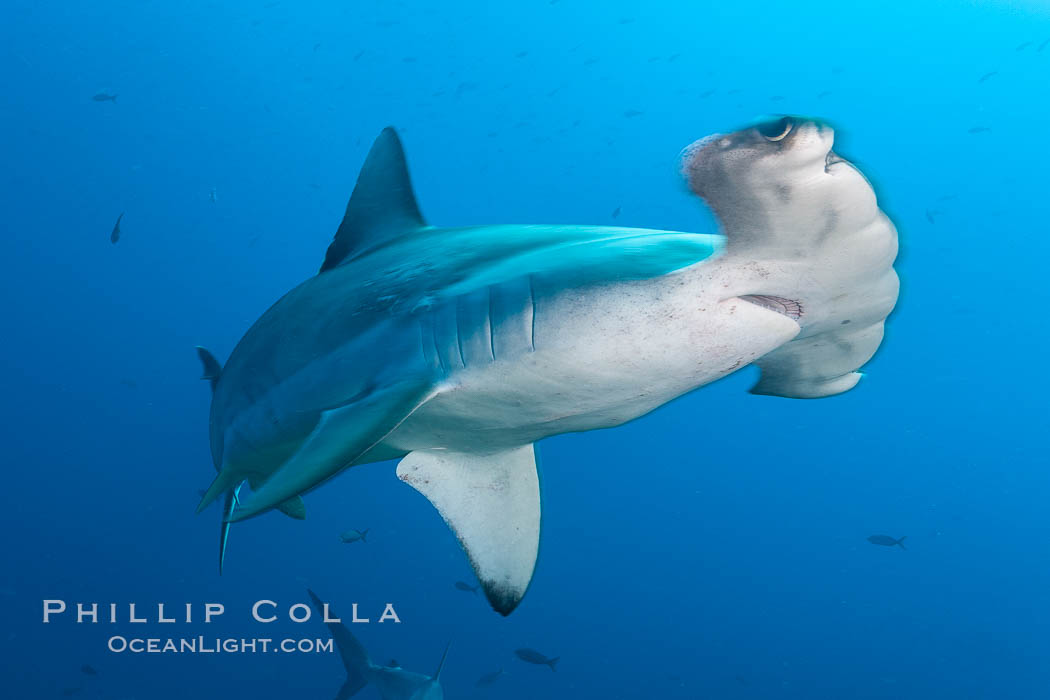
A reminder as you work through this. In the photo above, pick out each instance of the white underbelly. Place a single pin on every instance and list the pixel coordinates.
(596, 358)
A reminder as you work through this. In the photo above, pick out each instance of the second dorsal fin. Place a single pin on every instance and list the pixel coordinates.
(382, 206)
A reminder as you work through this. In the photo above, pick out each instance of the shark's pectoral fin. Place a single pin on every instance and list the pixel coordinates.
(819, 365)
(341, 436)
(293, 508)
(492, 503)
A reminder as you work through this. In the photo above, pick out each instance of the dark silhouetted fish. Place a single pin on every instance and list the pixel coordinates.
(616, 212)
(978, 130)
(104, 97)
(489, 678)
(1043, 45)
(986, 76)
(463, 586)
(931, 214)
(88, 670)
(534, 657)
(633, 113)
(887, 541)
(1025, 45)
(521, 54)
(114, 235)
(822, 95)
(354, 536)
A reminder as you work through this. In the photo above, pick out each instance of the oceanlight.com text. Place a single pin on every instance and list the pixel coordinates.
(217, 645)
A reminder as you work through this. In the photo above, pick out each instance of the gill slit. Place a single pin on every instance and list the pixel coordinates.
(532, 319)
(492, 331)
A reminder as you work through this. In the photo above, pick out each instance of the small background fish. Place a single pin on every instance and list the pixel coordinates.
(887, 541)
(354, 536)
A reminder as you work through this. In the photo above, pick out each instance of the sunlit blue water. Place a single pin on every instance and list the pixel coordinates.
(715, 549)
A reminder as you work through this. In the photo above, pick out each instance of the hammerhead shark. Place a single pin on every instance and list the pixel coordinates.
(393, 682)
(456, 349)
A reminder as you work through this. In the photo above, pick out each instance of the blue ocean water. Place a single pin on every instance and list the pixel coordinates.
(714, 549)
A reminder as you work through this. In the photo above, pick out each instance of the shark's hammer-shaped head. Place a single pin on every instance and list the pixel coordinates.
(804, 238)
(779, 183)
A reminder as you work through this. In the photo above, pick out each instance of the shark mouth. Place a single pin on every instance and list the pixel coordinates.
(785, 307)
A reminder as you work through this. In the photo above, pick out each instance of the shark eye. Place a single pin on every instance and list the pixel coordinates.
(776, 130)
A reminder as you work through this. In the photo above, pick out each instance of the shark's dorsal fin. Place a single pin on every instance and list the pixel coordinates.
(441, 664)
(382, 206)
(212, 368)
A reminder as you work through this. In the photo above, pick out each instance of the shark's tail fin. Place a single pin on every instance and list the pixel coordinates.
(364, 533)
(355, 657)
(553, 662)
(900, 542)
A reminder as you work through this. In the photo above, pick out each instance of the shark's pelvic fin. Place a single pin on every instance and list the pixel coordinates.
(818, 366)
(382, 205)
(341, 437)
(224, 481)
(492, 503)
(293, 508)
(212, 368)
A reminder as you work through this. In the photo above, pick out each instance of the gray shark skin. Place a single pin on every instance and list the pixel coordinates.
(293, 508)
(456, 349)
(392, 682)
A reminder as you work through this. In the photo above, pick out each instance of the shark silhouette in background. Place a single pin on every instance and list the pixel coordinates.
(392, 681)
